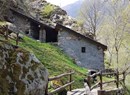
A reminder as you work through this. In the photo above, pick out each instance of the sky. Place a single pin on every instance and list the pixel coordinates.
(61, 3)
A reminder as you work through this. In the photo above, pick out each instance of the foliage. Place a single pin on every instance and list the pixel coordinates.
(92, 14)
(2, 23)
(117, 34)
(127, 85)
(47, 10)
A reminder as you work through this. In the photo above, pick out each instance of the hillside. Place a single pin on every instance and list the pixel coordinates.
(54, 60)
(74, 8)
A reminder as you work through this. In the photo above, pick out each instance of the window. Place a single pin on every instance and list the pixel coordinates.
(83, 49)
(27, 32)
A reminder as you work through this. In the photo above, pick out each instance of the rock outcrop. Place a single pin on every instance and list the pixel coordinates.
(46, 13)
(57, 15)
(21, 73)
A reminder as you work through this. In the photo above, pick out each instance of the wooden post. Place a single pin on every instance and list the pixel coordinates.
(6, 35)
(100, 76)
(70, 80)
(117, 79)
(17, 38)
(46, 91)
(89, 81)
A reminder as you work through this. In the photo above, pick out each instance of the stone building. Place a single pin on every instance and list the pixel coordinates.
(85, 51)
(32, 27)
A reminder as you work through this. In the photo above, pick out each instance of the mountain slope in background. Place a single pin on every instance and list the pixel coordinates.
(73, 9)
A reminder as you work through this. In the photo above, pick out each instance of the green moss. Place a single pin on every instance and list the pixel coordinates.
(4, 86)
(3, 23)
(20, 88)
(16, 71)
(34, 65)
(4, 73)
(25, 70)
(47, 10)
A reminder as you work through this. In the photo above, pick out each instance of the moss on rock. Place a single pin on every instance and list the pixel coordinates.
(20, 71)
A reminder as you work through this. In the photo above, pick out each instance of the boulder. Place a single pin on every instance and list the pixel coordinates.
(21, 73)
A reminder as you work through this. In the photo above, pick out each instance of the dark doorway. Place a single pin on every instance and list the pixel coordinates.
(35, 28)
(51, 35)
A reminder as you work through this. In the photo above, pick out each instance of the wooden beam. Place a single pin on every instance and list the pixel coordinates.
(59, 76)
(121, 79)
(96, 85)
(60, 88)
(95, 74)
(109, 81)
(112, 73)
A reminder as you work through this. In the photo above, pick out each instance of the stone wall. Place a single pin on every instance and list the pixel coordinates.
(22, 23)
(71, 43)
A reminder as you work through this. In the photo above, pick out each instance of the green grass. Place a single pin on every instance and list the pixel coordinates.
(54, 60)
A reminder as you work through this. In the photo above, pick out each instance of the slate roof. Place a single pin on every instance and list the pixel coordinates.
(59, 26)
(30, 18)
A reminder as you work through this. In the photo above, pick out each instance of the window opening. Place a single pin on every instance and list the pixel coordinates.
(83, 49)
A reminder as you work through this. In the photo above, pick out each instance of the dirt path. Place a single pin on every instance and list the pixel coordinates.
(83, 91)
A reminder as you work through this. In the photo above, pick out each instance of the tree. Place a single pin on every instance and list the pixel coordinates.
(117, 34)
(92, 15)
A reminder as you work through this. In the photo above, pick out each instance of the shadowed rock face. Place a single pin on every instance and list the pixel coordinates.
(21, 73)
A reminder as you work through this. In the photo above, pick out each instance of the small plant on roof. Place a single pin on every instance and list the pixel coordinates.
(3, 23)
(47, 10)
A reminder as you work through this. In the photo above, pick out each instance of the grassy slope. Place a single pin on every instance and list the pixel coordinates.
(54, 60)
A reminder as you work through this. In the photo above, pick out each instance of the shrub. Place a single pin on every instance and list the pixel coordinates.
(47, 10)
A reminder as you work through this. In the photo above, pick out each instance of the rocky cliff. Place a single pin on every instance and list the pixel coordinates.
(51, 14)
(46, 13)
(21, 73)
